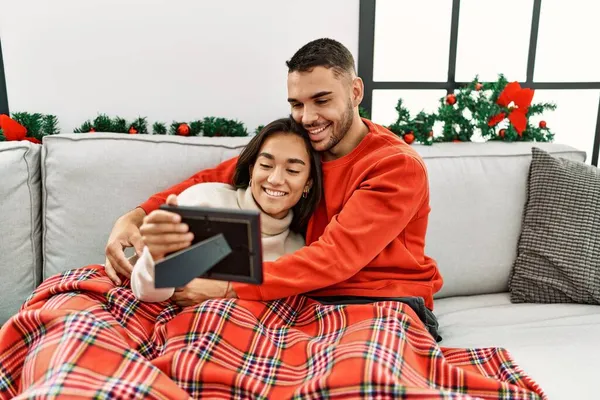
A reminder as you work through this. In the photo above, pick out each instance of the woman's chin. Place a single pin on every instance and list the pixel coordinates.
(275, 212)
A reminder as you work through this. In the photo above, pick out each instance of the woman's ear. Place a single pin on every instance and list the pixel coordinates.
(309, 184)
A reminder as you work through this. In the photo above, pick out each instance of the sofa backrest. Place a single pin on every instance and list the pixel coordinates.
(89, 180)
(20, 224)
(478, 191)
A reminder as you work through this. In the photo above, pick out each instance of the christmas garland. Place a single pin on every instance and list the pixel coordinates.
(476, 107)
(209, 126)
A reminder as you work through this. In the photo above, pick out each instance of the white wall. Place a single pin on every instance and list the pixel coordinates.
(177, 59)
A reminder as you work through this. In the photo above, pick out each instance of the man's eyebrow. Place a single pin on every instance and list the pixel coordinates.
(320, 94)
(314, 96)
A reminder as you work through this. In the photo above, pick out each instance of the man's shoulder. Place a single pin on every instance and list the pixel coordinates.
(387, 144)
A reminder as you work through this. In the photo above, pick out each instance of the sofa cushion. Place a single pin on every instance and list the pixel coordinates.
(555, 344)
(20, 219)
(558, 257)
(89, 180)
(478, 191)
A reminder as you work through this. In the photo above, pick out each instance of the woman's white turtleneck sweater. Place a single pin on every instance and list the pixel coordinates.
(277, 239)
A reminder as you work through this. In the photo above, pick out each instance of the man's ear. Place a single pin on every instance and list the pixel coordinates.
(358, 91)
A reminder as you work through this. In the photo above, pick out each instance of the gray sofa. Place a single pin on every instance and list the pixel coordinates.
(58, 202)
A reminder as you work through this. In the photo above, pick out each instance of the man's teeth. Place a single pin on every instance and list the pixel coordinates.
(319, 130)
(274, 193)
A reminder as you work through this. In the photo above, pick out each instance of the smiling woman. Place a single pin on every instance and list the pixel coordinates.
(283, 172)
(277, 173)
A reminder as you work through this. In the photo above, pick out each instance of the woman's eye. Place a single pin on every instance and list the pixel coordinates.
(291, 171)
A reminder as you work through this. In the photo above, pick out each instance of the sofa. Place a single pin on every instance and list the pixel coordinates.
(59, 200)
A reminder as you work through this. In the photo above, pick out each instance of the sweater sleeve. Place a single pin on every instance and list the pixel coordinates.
(375, 214)
(142, 280)
(223, 173)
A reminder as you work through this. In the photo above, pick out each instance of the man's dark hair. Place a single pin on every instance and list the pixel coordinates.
(304, 209)
(324, 52)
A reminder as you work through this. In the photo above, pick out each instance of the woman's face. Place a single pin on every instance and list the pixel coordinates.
(281, 173)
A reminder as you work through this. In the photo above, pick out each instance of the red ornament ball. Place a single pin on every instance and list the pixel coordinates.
(543, 124)
(409, 137)
(132, 130)
(430, 133)
(502, 133)
(92, 129)
(451, 99)
(478, 86)
(183, 130)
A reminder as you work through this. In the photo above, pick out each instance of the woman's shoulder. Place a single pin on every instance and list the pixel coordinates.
(208, 193)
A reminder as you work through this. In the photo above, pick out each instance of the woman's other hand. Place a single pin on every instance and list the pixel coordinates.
(163, 232)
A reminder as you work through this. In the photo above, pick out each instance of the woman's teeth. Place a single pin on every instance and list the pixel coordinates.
(274, 193)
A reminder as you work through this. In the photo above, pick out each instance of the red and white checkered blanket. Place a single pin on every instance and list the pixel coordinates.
(79, 335)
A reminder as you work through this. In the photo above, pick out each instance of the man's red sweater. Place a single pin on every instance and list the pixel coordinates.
(366, 238)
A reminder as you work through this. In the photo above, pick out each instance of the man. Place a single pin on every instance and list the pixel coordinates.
(365, 241)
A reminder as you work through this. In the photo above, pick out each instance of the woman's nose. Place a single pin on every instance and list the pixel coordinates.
(276, 177)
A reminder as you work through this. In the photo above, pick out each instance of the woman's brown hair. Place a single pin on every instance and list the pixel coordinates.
(305, 207)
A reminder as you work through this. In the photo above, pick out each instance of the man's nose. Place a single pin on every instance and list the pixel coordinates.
(309, 116)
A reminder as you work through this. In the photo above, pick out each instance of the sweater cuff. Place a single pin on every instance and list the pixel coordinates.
(150, 205)
(246, 291)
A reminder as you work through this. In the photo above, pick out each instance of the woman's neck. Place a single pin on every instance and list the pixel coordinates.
(269, 224)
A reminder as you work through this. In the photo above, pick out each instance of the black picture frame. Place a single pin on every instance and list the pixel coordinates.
(226, 246)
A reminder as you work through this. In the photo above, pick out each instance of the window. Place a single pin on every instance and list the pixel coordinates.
(420, 51)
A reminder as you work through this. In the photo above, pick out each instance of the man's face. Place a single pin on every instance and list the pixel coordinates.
(322, 103)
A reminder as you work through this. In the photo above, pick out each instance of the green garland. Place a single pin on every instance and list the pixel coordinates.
(209, 126)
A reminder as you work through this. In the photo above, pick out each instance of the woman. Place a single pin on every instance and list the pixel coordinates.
(278, 173)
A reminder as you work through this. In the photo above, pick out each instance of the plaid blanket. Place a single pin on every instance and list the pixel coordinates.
(78, 335)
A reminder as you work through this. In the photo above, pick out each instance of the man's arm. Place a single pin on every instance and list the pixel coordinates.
(126, 231)
(374, 215)
(222, 173)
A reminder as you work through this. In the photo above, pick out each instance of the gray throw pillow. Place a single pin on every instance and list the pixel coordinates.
(558, 256)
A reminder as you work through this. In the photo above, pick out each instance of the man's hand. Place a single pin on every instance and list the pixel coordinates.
(200, 290)
(163, 232)
(125, 233)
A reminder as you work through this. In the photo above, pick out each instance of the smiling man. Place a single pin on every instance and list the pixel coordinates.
(366, 240)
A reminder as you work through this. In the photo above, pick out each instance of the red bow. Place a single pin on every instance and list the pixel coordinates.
(12, 129)
(517, 111)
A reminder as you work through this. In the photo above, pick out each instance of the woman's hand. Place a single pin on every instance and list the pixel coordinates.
(200, 290)
(163, 232)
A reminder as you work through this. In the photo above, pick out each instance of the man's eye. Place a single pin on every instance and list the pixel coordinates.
(321, 102)
(265, 166)
(297, 105)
